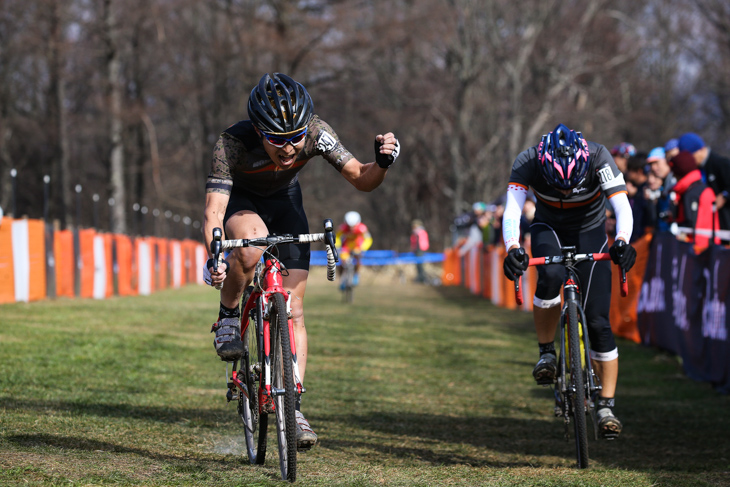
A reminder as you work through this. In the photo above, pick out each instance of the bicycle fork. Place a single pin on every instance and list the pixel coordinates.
(267, 392)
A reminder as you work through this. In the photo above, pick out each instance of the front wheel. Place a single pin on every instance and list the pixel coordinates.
(576, 388)
(348, 273)
(283, 388)
(254, 422)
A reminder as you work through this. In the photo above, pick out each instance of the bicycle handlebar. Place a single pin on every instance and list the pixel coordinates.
(218, 245)
(270, 240)
(558, 259)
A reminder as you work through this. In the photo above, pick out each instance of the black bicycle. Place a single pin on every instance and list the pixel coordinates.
(576, 386)
(266, 380)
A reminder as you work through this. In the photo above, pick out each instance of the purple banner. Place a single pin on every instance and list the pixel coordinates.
(682, 307)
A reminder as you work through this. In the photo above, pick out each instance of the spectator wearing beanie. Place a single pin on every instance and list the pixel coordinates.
(637, 171)
(621, 154)
(716, 170)
(659, 164)
(694, 198)
(671, 148)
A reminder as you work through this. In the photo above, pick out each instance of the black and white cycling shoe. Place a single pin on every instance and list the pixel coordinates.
(545, 370)
(609, 426)
(227, 341)
(306, 438)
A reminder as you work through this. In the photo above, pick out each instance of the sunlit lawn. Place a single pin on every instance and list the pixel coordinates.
(410, 385)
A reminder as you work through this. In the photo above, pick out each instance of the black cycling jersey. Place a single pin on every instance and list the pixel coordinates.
(585, 208)
(240, 161)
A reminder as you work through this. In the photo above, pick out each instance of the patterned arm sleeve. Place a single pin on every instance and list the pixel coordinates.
(327, 144)
(219, 177)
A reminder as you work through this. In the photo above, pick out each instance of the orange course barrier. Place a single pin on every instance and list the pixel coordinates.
(124, 265)
(109, 253)
(63, 254)
(37, 260)
(451, 268)
(90, 264)
(162, 268)
(508, 287)
(190, 267)
(623, 310)
(86, 249)
(487, 272)
(7, 271)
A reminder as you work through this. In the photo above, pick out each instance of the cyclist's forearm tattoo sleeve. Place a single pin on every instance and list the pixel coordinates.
(516, 196)
(624, 215)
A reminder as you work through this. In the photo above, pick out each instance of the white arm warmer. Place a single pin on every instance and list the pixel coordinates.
(516, 196)
(624, 216)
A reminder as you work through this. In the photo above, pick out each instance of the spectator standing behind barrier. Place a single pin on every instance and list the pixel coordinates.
(652, 194)
(694, 198)
(480, 218)
(621, 154)
(671, 148)
(659, 166)
(419, 245)
(463, 223)
(636, 179)
(496, 221)
(528, 214)
(716, 170)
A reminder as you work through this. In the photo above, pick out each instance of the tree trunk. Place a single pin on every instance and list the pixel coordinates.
(116, 126)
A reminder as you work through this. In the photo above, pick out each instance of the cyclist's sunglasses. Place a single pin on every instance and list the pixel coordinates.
(279, 142)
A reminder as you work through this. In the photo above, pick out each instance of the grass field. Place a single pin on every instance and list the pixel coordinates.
(408, 386)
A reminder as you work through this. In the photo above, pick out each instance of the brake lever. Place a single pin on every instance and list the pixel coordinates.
(215, 246)
(329, 238)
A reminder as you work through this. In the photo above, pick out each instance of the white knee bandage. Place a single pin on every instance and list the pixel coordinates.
(546, 303)
(605, 356)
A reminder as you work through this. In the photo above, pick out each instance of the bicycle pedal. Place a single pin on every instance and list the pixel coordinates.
(545, 382)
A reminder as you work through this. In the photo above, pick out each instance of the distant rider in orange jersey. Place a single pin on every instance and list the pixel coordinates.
(353, 237)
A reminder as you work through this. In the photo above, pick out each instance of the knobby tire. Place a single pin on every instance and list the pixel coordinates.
(283, 378)
(347, 277)
(577, 390)
(255, 424)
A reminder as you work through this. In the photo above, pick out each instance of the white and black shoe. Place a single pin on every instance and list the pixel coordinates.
(609, 426)
(227, 341)
(306, 438)
(546, 369)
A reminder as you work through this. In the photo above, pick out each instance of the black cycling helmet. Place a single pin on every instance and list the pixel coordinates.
(563, 157)
(279, 105)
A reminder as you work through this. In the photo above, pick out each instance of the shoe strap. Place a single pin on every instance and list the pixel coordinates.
(303, 423)
(226, 323)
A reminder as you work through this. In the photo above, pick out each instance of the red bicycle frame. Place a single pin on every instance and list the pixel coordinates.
(272, 284)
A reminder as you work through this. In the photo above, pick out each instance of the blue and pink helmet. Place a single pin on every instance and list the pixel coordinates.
(563, 156)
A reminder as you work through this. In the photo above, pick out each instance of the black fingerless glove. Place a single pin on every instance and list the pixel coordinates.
(622, 254)
(386, 160)
(515, 263)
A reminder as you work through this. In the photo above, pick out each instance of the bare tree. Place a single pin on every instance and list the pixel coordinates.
(116, 126)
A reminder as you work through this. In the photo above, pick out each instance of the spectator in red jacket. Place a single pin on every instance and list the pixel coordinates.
(694, 199)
